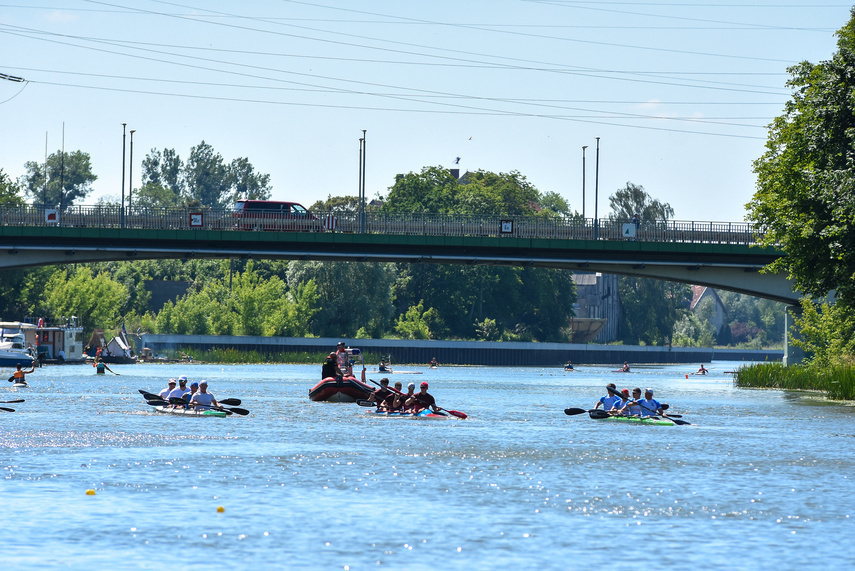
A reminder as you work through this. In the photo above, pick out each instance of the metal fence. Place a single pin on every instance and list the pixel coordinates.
(539, 227)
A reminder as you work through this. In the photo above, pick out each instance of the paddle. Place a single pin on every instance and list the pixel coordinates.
(7, 409)
(227, 402)
(11, 401)
(575, 411)
(241, 411)
(456, 413)
(363, 402)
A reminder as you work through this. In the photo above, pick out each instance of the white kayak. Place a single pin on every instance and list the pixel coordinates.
(19, 385)
(189, 411)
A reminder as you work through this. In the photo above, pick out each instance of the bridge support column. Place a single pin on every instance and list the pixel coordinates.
(792, 355)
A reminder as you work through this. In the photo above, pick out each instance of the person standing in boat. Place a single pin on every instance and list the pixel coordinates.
(380, 394)
(422, 399)
(649, 406)
(20, 375)
(342, 358)
(611, 401)
(330, 368)
(203, 399)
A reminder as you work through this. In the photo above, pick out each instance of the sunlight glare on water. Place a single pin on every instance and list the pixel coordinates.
(757, 480)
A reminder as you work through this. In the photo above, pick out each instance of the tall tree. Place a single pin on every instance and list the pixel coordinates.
(10, 191)
(805, 198)
(633, 199)
(74, 172)
(205, 177)
(246, 183)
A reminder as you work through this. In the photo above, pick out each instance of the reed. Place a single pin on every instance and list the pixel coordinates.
(837, 382)
(233, 356)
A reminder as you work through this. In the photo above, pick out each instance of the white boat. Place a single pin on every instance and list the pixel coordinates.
(19, 385)
(13, 344)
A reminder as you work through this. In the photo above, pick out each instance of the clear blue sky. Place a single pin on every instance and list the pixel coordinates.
(679, 92)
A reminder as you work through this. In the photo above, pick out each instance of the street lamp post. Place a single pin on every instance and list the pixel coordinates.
(131, 173)
(583, 181)
(596, 192)
(123, 175)
(362, 197)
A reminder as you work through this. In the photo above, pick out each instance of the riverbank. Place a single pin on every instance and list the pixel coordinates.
(836, 383)
(246, 349)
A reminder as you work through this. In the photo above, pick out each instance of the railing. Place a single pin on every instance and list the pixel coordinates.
(541, 226)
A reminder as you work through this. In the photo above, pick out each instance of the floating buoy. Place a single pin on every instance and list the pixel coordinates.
(90, 492)
(220, 509)
(687, 376)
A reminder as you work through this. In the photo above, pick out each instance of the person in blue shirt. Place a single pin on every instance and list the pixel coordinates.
(648, 405)
(610, 401)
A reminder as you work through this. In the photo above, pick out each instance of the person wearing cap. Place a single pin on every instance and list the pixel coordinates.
(342, 358)
(203, 399)
(612, 399)
(631, 407)
(649, 406)
(194, 388)
(422, 399)
(164, 394)
(394, 401)
(380, 394)
(330, 368)
(180, 390)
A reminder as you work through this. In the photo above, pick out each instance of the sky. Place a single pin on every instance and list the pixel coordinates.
(677, 95)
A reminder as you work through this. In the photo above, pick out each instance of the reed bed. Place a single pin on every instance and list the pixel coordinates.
(232, 356)
(837, 382)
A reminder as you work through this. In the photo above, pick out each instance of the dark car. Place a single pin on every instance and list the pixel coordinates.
(275, 216)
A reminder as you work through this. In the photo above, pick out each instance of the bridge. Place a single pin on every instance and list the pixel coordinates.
(723, 255)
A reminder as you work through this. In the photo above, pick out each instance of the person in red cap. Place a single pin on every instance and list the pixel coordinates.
(422, 400)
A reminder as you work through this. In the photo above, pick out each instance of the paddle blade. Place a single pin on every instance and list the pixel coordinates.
(677, 421)
(7, 409)
(597, 413)
(11, 401)
(230, 402)
(177, 400)
(574, 411)
(240, 411)
(363, 402)
(456, 413)
(156, 402)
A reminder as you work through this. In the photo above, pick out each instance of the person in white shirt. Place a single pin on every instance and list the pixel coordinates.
(180, 390)
(164, 394)
(203, 399)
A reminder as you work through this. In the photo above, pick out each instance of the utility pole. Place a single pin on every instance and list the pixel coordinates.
(596, 193)
(583, 181)
(123, 174)
(131, 173)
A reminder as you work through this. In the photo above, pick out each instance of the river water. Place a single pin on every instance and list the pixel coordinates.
(761, 478)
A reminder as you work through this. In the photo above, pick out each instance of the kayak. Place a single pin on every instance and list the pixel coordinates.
(20, 385)
(189, 411)
(654, 420)
(425, 413)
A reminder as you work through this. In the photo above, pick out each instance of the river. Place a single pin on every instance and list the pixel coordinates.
(759, 480)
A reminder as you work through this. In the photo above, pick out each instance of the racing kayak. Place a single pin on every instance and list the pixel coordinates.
(20, 385)
(424, 413)
(655, 420)
(189, 411)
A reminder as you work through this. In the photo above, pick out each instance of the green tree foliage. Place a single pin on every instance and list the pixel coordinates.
(413, 324)
(10, 191)
(22, 293)
(246, 183)
(651, 308)
(74, 173)
(206, 177)
(633, 199)
(351, 294)
(826, 334)
(805, 198)
(95, 299)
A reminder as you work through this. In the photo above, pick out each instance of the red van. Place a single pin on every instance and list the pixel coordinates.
(275, 216)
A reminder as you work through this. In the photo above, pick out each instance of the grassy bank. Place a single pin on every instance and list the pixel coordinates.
(231, 356)
(838, 383)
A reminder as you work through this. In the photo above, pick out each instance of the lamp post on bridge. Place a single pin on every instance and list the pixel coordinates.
(124, 125)
(362, 186)
(596, 193)
(131, 173)
(583, 181)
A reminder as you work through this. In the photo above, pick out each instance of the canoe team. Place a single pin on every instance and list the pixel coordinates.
(619, 403)
(397, 401)
(197, 396)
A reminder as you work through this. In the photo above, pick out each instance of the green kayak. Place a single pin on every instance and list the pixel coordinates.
(658, 421)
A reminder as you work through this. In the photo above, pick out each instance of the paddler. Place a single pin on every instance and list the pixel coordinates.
(631, 407)
(394, 401)
(203, 399)
(194, 388)
(101, 367)
(703, 370)
(650, 406)
(20, 375)
(380, 394)
(625, 368)
(612, 400)
(180, 390)
(170, 386)
(422, 400)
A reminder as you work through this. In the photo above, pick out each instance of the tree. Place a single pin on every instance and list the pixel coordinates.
(96, 300)
(10, 191)
(74, 173)
(205, 177)
(633, 199)
(805, 197)
(246, 183)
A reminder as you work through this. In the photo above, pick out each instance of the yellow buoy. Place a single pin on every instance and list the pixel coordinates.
(90, 492)
(220, 509)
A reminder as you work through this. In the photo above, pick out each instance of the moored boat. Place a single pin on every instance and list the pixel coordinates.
(189, 411)
(16, 341)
